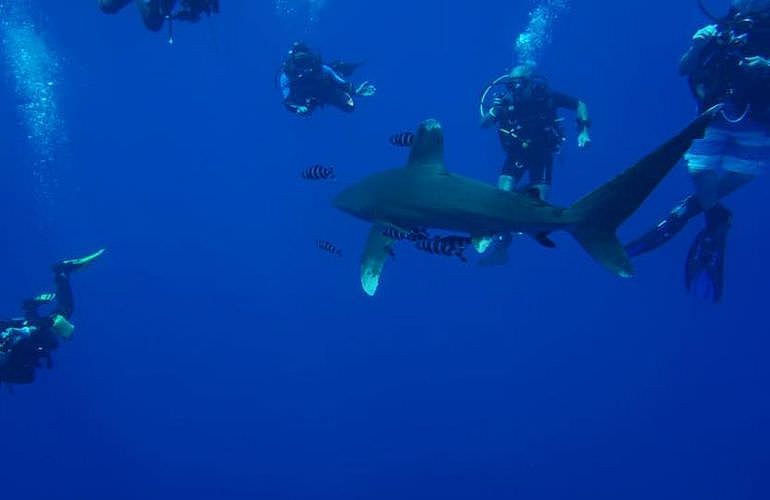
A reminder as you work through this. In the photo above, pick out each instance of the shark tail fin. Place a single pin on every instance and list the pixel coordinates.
(598, 215)
(378, 248)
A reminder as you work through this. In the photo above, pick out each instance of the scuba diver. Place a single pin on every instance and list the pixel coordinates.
(307, 83)
(728, 64)
(24, 342)
(525, 112)
(529, 128)
(155, 12)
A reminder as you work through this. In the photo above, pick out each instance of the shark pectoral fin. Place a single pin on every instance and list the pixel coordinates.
(482, 243)
(378, 249)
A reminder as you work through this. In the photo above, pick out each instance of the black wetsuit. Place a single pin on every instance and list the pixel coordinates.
(316, 87)
(529, 128)
(717, 76)
(155, 12)
(20, 355)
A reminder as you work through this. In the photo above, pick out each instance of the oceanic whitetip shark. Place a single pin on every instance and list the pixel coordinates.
(423, 195)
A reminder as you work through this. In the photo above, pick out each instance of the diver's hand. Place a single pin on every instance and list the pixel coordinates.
(366, 89)
(756, 62)
(705, 34)
(584, 139)
(301, 110)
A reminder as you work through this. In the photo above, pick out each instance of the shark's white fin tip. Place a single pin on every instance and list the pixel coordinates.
(370, 281)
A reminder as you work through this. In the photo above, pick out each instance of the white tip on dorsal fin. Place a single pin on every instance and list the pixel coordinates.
(428, 147)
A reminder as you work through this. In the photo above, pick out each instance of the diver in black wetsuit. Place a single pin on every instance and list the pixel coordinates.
(530, 130)
(307, 83)
(24, 342)
(526, 116)
(156, 12)
(729, 64)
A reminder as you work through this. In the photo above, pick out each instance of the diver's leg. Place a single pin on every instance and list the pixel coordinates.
(707, 187)
(64, 298)
(541, 176)
(509, 177)
(62, 271)
(511, 173)
(745, 155)
(335, 78)
(112, 6)
(154, 12)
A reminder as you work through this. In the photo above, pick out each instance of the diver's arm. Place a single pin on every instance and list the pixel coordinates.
(756, 63)
(285, 84)
(12, 323)
(335, 78)
(700, 41)
(288, 101)
(584, 124)
(565, 101)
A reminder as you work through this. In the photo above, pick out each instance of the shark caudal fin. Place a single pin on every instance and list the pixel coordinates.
(378, 248)
(599, 214)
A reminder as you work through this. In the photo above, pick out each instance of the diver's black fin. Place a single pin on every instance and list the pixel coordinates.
(544, 240)
(666, 229)
(70, 265)
(705, 265)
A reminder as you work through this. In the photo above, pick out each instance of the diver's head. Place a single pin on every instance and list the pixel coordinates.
(750, 6)
(523, 71)
(298, 47)
(301, 60)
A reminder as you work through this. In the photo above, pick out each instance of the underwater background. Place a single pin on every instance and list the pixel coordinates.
(219, 354)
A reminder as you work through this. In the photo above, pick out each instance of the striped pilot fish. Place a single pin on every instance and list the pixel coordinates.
(451, 246)
(395, 233)
(329, 247)
(403, 139)
(318, 173)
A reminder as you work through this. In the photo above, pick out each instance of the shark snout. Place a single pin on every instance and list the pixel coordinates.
(345, 201)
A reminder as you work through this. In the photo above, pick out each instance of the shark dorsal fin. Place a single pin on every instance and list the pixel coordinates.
(428, 147)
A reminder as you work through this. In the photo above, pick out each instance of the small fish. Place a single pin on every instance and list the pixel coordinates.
(397, 234)
(328, 247)
(451, 246)
(318, 173)
(404, 139)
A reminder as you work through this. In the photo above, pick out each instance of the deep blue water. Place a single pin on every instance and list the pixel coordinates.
(219, 354)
